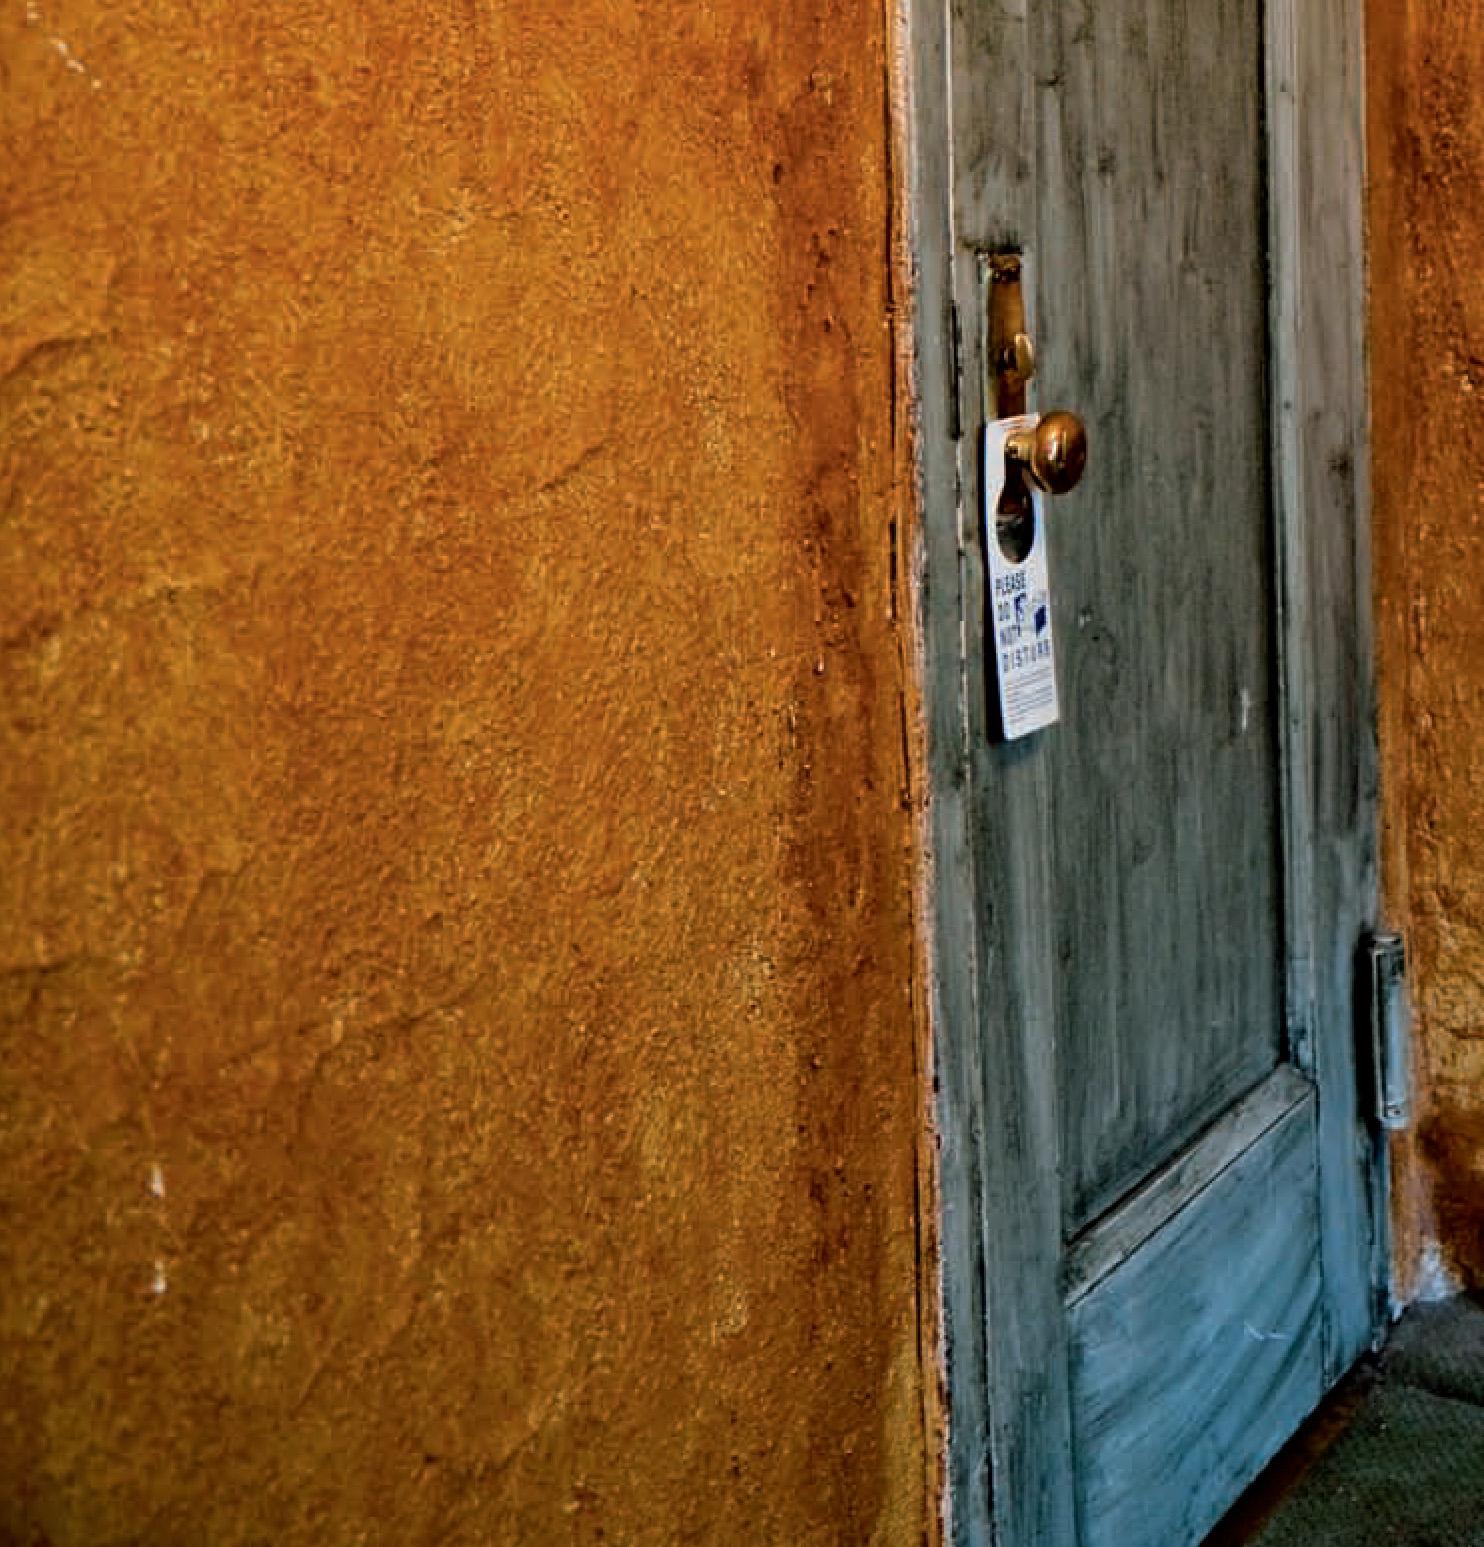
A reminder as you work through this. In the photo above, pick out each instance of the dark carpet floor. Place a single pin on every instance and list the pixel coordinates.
(1397, 1456)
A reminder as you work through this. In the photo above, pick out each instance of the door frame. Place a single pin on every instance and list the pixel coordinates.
(996, 1127)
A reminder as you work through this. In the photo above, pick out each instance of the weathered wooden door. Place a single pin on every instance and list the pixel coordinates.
(1157, 1173)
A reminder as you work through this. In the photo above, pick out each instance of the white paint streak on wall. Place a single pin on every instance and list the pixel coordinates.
(61, 47)
(1435, 1279)
(65, 54)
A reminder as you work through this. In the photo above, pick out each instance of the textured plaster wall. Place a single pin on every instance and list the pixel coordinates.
(460, 1076)
(1427, 344)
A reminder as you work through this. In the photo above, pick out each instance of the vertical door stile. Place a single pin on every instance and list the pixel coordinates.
(1028, 1386)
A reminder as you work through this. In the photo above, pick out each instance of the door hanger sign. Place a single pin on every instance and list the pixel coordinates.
(1019, 597)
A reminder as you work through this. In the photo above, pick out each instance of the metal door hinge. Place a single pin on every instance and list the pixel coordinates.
(1390, 1021)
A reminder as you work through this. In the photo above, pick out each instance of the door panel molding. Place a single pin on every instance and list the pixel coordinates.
(998, 1160)
(1109, 1242)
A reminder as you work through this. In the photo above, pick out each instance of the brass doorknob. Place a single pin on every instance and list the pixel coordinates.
(1053, 453)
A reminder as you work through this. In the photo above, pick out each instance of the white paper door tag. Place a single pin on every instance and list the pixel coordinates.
(1020, 601)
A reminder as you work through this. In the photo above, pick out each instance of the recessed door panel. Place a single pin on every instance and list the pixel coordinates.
(1151, 296)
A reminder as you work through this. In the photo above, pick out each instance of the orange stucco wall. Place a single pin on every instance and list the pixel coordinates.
(1426, 110)
(461, 1073)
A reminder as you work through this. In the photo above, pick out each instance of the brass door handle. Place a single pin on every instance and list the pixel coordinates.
(1053, 454)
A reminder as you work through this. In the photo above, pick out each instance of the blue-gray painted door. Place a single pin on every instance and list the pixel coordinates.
(1160, 1307)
